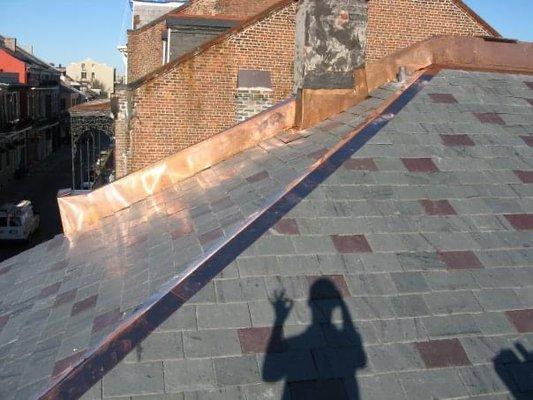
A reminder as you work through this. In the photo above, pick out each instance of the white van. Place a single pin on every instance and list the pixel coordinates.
(18, 221)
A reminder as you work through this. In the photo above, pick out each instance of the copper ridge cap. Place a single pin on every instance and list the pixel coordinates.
(178, 290)
(162, 70)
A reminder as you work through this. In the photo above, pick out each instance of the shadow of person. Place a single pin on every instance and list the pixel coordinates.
(516, 372)
(322, 362)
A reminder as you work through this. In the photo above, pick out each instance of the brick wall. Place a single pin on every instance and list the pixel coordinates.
(396, 24)
(236, 8)
(145, 50)
(195, 99)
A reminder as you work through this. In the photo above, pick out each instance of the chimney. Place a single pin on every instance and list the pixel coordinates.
(330, 49)
(10, 43)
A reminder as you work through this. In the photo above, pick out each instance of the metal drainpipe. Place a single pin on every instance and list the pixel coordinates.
(168, 45)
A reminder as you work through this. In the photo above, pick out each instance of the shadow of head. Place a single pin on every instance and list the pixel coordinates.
(324, 298)
(515, 369)
(321, 361)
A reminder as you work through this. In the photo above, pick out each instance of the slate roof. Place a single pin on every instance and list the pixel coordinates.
(425, 233)
(76, 290)
(424, 230)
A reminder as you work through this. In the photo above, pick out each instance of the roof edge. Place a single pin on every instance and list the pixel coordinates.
(476, 17)
(162, 70)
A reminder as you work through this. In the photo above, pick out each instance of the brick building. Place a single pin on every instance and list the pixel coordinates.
(33, 103)
(180, 97)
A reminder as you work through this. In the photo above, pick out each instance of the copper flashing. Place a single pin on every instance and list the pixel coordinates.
(83, 211)
(88, 370)
(450, 51)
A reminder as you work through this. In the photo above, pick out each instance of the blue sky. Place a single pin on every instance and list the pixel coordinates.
(63, 31)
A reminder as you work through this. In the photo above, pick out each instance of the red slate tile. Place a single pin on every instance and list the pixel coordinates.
(175, 207)
(460, 259)
(67, 362)
(456, 140)
(184, 229)
(210, 236)
(438, 207)
(521, 319)
(490, 118)
(442, 353)
(521, 222)
(528, 140)
(287, 226)
(329, 287)
(351, 244)
(443, 98)
(3, 320)
(360, 164)
(525, 176)
(256, 340)
(317, 154)
(529, 85)
(420, 164)
(66, 297)
(530, 101)
(103, 320)
(257, 177)
(83, 305)
(49, 290)
(131, 241)
(288, 136)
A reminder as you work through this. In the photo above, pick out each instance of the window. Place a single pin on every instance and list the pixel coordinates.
(83, 66)
(3, 222)
(84, 75)
(92, 75)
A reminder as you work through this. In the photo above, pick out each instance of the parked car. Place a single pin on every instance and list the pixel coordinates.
(18, 221)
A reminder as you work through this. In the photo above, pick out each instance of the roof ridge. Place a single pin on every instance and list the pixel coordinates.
(176, 292)
(204, 47)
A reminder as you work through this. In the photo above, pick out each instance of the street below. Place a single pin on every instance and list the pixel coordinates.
(40, 186)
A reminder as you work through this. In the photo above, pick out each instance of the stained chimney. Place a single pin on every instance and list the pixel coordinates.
(10, 43)
(330, 48)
